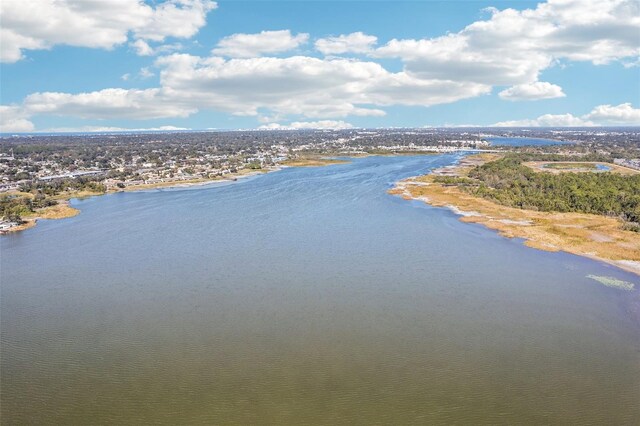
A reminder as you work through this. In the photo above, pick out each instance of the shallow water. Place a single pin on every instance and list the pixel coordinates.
(307, 295)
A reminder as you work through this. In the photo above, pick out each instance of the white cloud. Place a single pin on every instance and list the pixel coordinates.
(405, 89)
(357, 42)
(261, 87)
(294, 85)
(548, 120)
(297, 125)
(145, 73)
(623, 114)
(107, 103)
(175, 18)
(109, 129)
(265, 42)
(14, 119)
(532, 92)
(317, 88)
(41, 24)
(513, 47)
(142, 48)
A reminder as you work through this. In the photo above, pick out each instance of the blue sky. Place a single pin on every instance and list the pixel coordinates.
(199, 64)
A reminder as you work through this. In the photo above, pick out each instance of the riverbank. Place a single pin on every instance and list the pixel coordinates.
(231, 177)
(594, 236)
(63, 209)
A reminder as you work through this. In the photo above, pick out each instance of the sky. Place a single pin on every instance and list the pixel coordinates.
(92, 65)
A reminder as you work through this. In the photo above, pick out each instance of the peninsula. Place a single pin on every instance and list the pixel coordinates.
(472, 189)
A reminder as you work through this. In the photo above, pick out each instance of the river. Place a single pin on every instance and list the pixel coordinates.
(306, 296)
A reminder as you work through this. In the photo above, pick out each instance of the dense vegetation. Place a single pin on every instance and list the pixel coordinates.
(14, 207)
(527, 155)
(508, 182)
(59, 186)
(37, 195)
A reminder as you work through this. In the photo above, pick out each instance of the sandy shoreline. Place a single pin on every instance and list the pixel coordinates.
(596, 237)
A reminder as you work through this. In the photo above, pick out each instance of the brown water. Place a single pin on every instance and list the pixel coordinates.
(307, 296)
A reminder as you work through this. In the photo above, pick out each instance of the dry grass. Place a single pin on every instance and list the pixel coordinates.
(28, 223)
(18, 194)
(61, 210)
(582, 234)
(67, 195)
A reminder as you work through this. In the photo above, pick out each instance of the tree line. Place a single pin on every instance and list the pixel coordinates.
(508, 182)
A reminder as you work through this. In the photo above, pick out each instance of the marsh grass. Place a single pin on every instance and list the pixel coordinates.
(590, 235)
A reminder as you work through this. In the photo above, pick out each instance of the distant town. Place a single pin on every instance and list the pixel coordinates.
(49, 167)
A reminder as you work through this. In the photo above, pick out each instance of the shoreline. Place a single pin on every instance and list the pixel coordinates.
(233, 177)
(593, 236)
(507, 221)
(64, 210)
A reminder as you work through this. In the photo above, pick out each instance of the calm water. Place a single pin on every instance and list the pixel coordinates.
(306, 296)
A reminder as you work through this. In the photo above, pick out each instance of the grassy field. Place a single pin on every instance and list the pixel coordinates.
(61, 210)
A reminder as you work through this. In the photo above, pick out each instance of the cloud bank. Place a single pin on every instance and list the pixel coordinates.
(42, 24)
(513, 47)
(297, 125)
(532, 92)
(350, 43)
(623, 114)
(249, 75)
